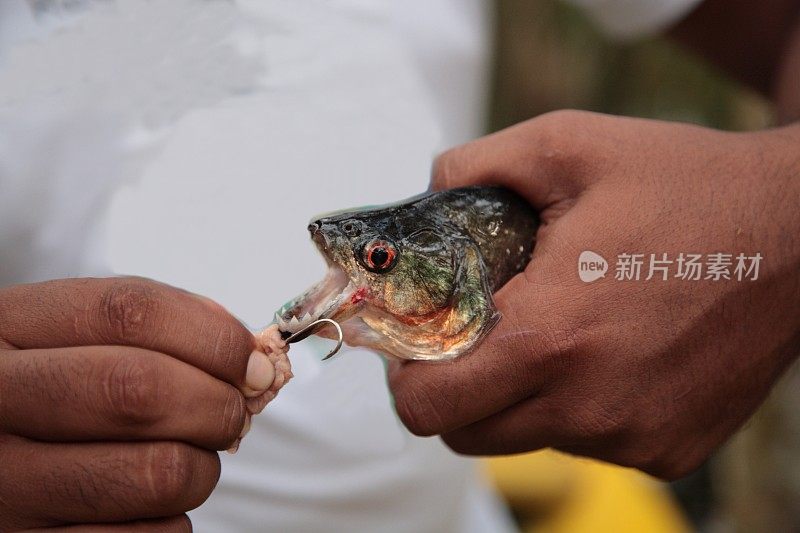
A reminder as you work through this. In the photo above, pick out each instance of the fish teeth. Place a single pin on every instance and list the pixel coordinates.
(295, 323)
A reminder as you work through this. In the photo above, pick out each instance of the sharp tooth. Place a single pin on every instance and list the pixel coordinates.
(294, 323)
(306, 318)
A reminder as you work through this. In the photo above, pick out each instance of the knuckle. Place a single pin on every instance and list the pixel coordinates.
(169, 473)
(134, 390)
(557, 137)
(231, 347)
(417, 409)
(128, 306)
(234, 415)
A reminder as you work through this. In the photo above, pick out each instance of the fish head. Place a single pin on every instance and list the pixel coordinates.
(398, 282)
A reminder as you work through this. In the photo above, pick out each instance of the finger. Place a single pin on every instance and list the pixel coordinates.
(579, 426)
(57, 484)
(527, 426)
(174, 524)
(131, 312)
(115, 392)
(546, 160)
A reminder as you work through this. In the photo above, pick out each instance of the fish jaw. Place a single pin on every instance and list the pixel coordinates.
(431, 340)
(370, 330)
(336, 297)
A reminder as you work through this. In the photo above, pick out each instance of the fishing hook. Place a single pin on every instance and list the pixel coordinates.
(306, 331)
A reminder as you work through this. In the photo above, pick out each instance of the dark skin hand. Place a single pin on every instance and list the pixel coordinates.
(114, 396)
(650, 374)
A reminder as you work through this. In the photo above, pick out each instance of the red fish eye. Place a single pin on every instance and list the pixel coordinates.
(379, 256)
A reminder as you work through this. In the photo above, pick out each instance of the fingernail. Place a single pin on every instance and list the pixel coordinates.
(260, 374)
(235, 447)
(246, 427)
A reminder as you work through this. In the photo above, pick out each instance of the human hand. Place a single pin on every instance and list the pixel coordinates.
(651, 374)
(113, 395)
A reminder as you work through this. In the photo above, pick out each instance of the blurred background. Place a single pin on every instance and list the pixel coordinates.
(549, 56)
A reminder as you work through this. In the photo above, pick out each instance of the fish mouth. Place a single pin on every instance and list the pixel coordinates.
(332, 298)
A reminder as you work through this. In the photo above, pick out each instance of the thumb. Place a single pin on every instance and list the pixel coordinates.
(546, 160)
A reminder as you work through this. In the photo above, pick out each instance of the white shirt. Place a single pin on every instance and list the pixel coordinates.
(191, 142)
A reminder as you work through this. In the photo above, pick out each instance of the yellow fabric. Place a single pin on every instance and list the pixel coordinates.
(555, 493)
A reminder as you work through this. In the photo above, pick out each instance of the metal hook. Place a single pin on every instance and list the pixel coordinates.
(299, 335)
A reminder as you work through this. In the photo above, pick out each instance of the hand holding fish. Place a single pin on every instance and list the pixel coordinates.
(114, 396)
(654, 374)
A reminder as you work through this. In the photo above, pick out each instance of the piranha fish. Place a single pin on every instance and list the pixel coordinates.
(415, 279)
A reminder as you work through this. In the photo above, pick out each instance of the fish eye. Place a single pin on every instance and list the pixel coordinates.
(379, 256)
